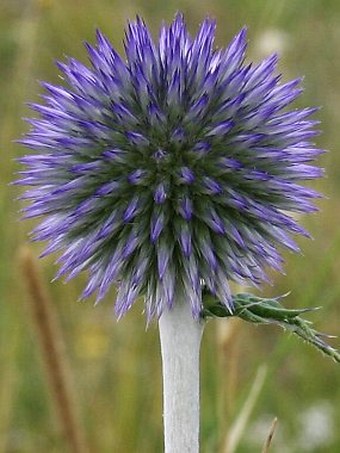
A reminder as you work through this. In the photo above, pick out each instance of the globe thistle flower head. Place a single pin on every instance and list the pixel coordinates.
(174, 169)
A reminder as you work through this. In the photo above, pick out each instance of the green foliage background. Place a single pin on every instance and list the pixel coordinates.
(116, 366)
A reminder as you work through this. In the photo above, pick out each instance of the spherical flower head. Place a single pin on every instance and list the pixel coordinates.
(173, 170)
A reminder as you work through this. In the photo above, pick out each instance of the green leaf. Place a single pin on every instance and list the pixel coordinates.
(269, 311)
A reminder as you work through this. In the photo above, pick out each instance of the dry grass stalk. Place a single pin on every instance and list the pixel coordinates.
(270, 436)
(227, 340)
(51, 343)
(238, 427)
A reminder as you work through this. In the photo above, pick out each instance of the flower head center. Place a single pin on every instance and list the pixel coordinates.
(160, 156)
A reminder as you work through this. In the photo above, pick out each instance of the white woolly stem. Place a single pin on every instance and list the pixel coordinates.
(180, 337)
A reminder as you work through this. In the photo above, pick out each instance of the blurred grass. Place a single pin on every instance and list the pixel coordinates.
(116, 365)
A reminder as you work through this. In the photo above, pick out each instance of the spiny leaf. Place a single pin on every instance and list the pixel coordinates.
(270, 311)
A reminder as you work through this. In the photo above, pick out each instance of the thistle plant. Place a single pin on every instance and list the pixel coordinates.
(169, 174)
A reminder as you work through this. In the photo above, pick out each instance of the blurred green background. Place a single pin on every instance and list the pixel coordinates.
(116, 366)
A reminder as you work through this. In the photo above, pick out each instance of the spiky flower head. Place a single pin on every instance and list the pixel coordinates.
(174, 169)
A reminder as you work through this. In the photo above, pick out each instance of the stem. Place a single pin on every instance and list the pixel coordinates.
(180, 337)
